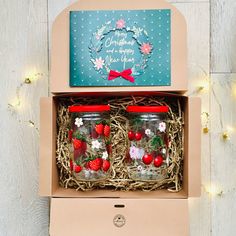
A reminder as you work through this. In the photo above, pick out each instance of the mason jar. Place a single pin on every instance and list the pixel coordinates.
(147, 156)
(90, 142)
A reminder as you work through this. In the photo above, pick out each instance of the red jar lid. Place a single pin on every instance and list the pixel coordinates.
(154, 109)
(93, 108)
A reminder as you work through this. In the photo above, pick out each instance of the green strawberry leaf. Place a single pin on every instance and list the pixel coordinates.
(157, 142)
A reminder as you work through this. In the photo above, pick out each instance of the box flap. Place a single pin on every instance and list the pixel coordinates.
(46, 146)
(119, 217)
(60, 56)
(194, 147)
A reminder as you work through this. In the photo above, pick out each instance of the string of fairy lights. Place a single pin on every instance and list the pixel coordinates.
(226, 130)
(212, 190)
(16, 104)
(226, 133)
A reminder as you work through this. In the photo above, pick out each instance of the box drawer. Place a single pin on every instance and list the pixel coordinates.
(166, 217)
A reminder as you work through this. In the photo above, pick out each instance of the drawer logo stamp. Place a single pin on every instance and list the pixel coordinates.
(119, 221)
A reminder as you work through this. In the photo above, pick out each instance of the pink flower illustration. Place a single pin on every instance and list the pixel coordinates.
(133, 152)
(98, 63)
(146, 48)
(97, 36)
(120, 24)
(162, 126)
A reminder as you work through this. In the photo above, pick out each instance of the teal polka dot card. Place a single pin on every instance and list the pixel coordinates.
(120, 48)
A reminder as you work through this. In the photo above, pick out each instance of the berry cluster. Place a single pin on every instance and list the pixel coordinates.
(153, 155)
(89, 152)
(148, 159)
(95, 165)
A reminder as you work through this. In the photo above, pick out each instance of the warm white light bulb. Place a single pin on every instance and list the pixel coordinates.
(213, 190)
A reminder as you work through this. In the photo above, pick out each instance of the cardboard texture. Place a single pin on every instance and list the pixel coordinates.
(92, 213)
(96, 217)
(49, 185)
(60, 56)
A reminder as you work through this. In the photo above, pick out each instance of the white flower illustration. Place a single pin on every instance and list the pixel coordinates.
(98, 63)
(137, 31)
(162, 126)
(139, 168)
(148, 132)
(104, 155)
(96, 144)
(78, 122)
(163, 151)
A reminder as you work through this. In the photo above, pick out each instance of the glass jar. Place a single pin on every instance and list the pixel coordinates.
(90, 142)
(147, 157)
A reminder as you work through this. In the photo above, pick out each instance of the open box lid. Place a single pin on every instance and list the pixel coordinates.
(119, 217)
(167, 62)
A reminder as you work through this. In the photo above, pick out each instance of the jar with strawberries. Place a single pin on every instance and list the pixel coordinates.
(90, 142)
(147, 156)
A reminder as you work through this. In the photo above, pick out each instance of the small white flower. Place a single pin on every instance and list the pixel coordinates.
(148, 132)
(163, 151)
(96, 144)
(139, 168)
(104, 155)
(79, 122)
(162, 126)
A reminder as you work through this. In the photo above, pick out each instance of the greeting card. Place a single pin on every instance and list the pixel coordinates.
(120, 48)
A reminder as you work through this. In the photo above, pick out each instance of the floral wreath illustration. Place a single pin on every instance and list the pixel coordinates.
(96, 44)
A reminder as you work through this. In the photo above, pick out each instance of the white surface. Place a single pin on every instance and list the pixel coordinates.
(24, 43)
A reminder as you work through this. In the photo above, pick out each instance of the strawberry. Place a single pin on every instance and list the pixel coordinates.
(147, 159)
(131, 135)
(99, 128)
(77, 143)
(77, 168)
(158, 161)
(107, 130)
(95, 164)
(70, 133)
(138, 136)
(106, 165)
(71, 165)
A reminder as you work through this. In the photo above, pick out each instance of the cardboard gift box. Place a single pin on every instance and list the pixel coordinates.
(116, 212)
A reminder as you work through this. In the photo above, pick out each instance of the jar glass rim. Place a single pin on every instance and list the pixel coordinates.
(148, 109)
(89, 108)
